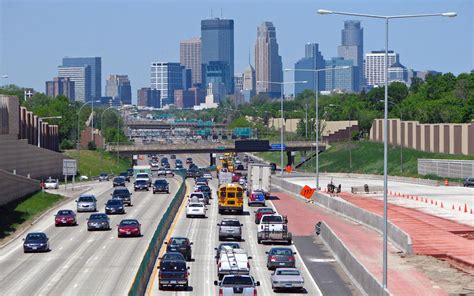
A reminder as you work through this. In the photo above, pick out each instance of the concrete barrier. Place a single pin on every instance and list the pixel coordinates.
(13, 187)
(359, 274)
(370, 189)
(396, 235)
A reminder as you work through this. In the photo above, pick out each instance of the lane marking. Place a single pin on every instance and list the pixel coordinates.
(322, 260)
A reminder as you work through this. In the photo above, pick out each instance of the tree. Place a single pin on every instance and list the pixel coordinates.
(416, 82)
(240, 122)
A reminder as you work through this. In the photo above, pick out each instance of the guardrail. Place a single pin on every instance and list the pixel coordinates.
(145, 270)
(449, 168)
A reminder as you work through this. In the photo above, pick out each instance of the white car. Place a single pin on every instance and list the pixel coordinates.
(51, 183)
(287, 278)
(207, 176)
(194, 209)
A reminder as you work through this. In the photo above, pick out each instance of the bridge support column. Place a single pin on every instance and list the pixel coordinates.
(290, 158)
(212, 159)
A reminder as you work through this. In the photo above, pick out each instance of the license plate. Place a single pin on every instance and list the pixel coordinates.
(281, 263)
(34, 248)
(128, 232)
(289, 285)
(173, 249)
(172, 282)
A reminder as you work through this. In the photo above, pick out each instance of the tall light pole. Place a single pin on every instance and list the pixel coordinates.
(317, 111)
(78, 147)
(282, 118)
(385, 120)
(102, 129)
(40, 121)
(401, 144)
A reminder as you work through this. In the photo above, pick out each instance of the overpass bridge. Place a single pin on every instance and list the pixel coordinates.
(198, 148)
(157, 124)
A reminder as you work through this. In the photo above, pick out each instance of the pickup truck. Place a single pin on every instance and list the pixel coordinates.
(273, 228)
(242, 285)
(233, 261)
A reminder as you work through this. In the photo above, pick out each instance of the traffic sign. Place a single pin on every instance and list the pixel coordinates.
(307, 192)
(69, 167)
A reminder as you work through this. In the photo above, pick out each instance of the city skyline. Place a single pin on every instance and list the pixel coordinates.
(19, 61)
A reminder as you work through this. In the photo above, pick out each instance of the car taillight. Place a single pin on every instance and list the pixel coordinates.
(273, 258)
(219, 265)
(160, 276)
(291, 258)
(248, 265)
(221, 293)
(254, 291)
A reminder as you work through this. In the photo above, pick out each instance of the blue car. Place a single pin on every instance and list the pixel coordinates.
(256, 197)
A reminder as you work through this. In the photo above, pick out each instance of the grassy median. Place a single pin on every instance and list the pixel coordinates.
(19, 213)
(92, 163)
(367, 158)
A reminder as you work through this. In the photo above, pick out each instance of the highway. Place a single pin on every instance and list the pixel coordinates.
(204, 234)
(82, 262)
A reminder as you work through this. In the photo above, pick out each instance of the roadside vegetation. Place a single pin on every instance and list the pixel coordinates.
(367, 158)
(92, 163)
(21, 212)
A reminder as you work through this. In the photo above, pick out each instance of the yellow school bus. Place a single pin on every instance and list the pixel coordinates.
(231, 198)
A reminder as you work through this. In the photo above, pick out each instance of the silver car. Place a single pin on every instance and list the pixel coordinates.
(230, 228)
(287, 279)
(86, 203)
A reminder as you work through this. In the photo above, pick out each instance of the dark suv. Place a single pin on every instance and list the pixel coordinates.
(125, 175)
(180, 244)
(161, 186)
(123, 194)
(173, 274)
(114, 206)
(468, 182)
(140, 184)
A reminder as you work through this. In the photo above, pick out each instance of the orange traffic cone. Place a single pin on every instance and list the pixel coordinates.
(436, 203)
(465, 208)
(453, 207)
(442, 206)
(459, 208)
(431, 201)
(426, 200)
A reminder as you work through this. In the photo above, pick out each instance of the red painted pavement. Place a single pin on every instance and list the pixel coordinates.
(430, 235)
(364, 243)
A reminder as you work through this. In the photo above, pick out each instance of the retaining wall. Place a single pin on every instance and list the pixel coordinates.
(358, 272)
(145, 270)
(13, 187)
(396, 235)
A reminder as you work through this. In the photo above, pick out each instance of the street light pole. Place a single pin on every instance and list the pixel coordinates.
(385, 122)
(282, 118)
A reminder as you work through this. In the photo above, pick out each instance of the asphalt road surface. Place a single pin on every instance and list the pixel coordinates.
(204, 234)
(82, 262)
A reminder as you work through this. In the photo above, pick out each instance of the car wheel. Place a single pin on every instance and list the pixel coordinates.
(289, 241)
(221, 238)
(259, 241)
(239, 239)
(160, 287)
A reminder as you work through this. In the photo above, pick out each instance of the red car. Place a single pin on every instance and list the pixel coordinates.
(65, 217)
(129, 227)
(236, 178)
(262, 211)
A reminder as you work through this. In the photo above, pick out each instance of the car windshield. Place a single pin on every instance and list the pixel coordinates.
(265, 210)
(288, 272)
(113, 202)
(284, 251)
(272, 219)
(50, 181)
(173, 266)
(103, 174)
(173, 256)
(196, 195)
(128, 223)
(161, 182)
(35, 236)
(230, 223)
(141, 182)
(178, 241)
(230, 245)
(87, 198)
(118, 179)
(121, 192)
(237, 280)
(98, 217)
(196, 205)
(142, 176)
(65, 213)
(204, 188)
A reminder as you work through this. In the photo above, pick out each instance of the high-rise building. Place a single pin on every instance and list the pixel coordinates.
(147, 97)
(398, 72)
(167, 77)
(238, 82)
(352, 48)
(248, 87)
(118, 86)
(217, 45)
(344, 80)
(217, 74)
(268, 63)
(60, 86)
(313, 60)
(374, 66)
(190, 57)
(81, 76)
(95, 64)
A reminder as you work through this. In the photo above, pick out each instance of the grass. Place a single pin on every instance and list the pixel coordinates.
(367, 158)
(19, 212)
(92, 164)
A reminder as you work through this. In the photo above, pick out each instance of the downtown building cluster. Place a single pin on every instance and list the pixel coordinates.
(205, 74)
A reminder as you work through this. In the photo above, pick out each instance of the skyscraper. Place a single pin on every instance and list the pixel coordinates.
(95, 64)
(217, 75)
(60, 86)
(118, 86)
(81, 76)
(344, 80)
(374, 67)
(167, 77)
(147, 97)
(268, 63)
(352, 48)
(190, 57)
(217, 45)
(313, 60)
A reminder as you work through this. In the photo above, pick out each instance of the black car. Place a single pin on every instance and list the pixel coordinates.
(206, 190)
(181, 245)
(98, 221)
(179, 165)
(161, 186)
(173, 274)
(164, 161)
(172, 256)
(123, 194)
(36, 242)
(173, 156)
(468, 182)
(118, 181)
(189, 160)
(240, 167)
(192, 173)
(130, 172)
(114, 206)
(141, 184)
(125, 175)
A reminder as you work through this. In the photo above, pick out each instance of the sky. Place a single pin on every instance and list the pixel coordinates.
(36, 34)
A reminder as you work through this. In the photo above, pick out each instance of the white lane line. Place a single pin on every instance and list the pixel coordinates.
(75, 285)
(103, 247)
(302, 262)
(322, 260)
